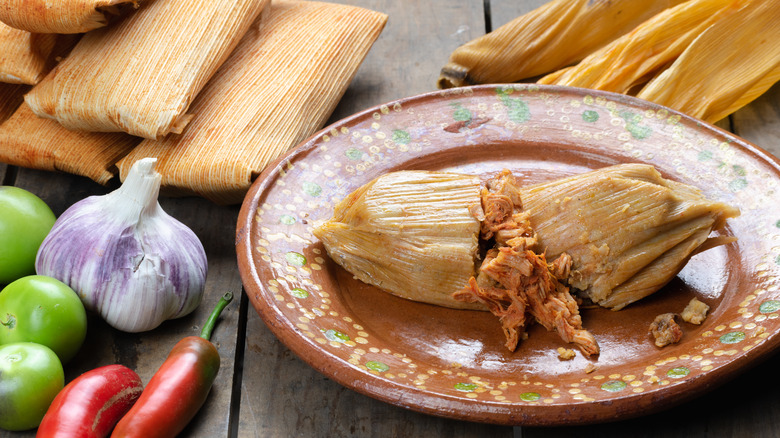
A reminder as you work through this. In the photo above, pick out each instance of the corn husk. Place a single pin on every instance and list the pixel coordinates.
(410, 233)
(156, 61)
(30, 141)
(23, 55)
(278, 87)
(638, 55)
(557, 34)
(46, 16)
(729, 65)
(627, 230)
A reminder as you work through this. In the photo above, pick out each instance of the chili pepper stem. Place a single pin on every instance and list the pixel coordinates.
(208, 327)
(10, 323)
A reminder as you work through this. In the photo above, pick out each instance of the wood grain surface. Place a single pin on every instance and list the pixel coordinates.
(264, 390)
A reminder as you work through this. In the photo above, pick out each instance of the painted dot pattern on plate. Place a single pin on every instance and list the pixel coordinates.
(350, 155)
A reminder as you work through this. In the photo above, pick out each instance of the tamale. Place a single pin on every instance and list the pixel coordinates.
(23, 55)
(638, 55)
(46, 16)
(557, 34)
(30, 141)
(278, 87)
(411, 233)
(729, 65)
(627, 230)
(141, 74)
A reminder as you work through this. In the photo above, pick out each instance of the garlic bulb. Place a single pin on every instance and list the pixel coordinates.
(128, 260)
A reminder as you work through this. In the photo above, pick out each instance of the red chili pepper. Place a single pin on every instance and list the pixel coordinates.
(92, 403)
(178, 389)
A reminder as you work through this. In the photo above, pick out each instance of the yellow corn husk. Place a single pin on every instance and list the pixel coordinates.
(548, 38)
(278, 87)
(410, 233)
(30, 141)
(24, 56)
(729, 65)
(638, 55)
(140, 75)
(66, 17)
(627, 229)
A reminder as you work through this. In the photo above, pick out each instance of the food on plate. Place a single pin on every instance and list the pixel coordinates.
(44, 310)
(738, 55)
(25, 222)
(48, 17)
(31, 375)
(550, 37)
(665, 330)
(695, 312)
(613, 235)
(278, 87)
(151, 89)
(634, 58)
(30, 141)
(129, 260)
(514, 281)
(11, 96)
(91, 404)
(179, 388)
(566, 353)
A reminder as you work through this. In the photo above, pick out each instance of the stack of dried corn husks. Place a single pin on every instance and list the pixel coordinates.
(706, 58)
(235, 96)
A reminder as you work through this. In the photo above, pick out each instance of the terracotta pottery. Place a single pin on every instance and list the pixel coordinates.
(453, 363)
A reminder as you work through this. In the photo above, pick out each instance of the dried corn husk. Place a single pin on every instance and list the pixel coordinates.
(548, 38)
(627, 230)
(23, 55)
(277, 88)
(410, 233)
(155, 62)
(30, 141)
(729, 65)
(47, 16)
(638, 55)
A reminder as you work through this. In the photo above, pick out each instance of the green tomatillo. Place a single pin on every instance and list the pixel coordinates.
(24, 223)
(31, 375)
(44, 310)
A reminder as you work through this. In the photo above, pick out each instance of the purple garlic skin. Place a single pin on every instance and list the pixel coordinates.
(132, 263)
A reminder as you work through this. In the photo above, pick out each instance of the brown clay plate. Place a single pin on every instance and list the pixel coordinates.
(452, 363)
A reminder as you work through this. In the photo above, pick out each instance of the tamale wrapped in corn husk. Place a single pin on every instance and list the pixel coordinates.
(47, 16)
(141, 74)
(410, 233)
(729, 65)
(638, 55)
(278, 87)
(30, 141)
(555, 35)
(626, 229)
(24, 56)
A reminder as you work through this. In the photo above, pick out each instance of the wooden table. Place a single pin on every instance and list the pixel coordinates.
(263, 390)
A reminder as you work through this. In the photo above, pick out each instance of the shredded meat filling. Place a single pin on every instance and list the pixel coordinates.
(515, 282)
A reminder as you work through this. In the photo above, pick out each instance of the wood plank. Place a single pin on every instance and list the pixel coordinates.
(759, 122)
(280, 394)
(145, 352)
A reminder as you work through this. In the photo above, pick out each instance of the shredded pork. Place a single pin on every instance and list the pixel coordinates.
(515, 282)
